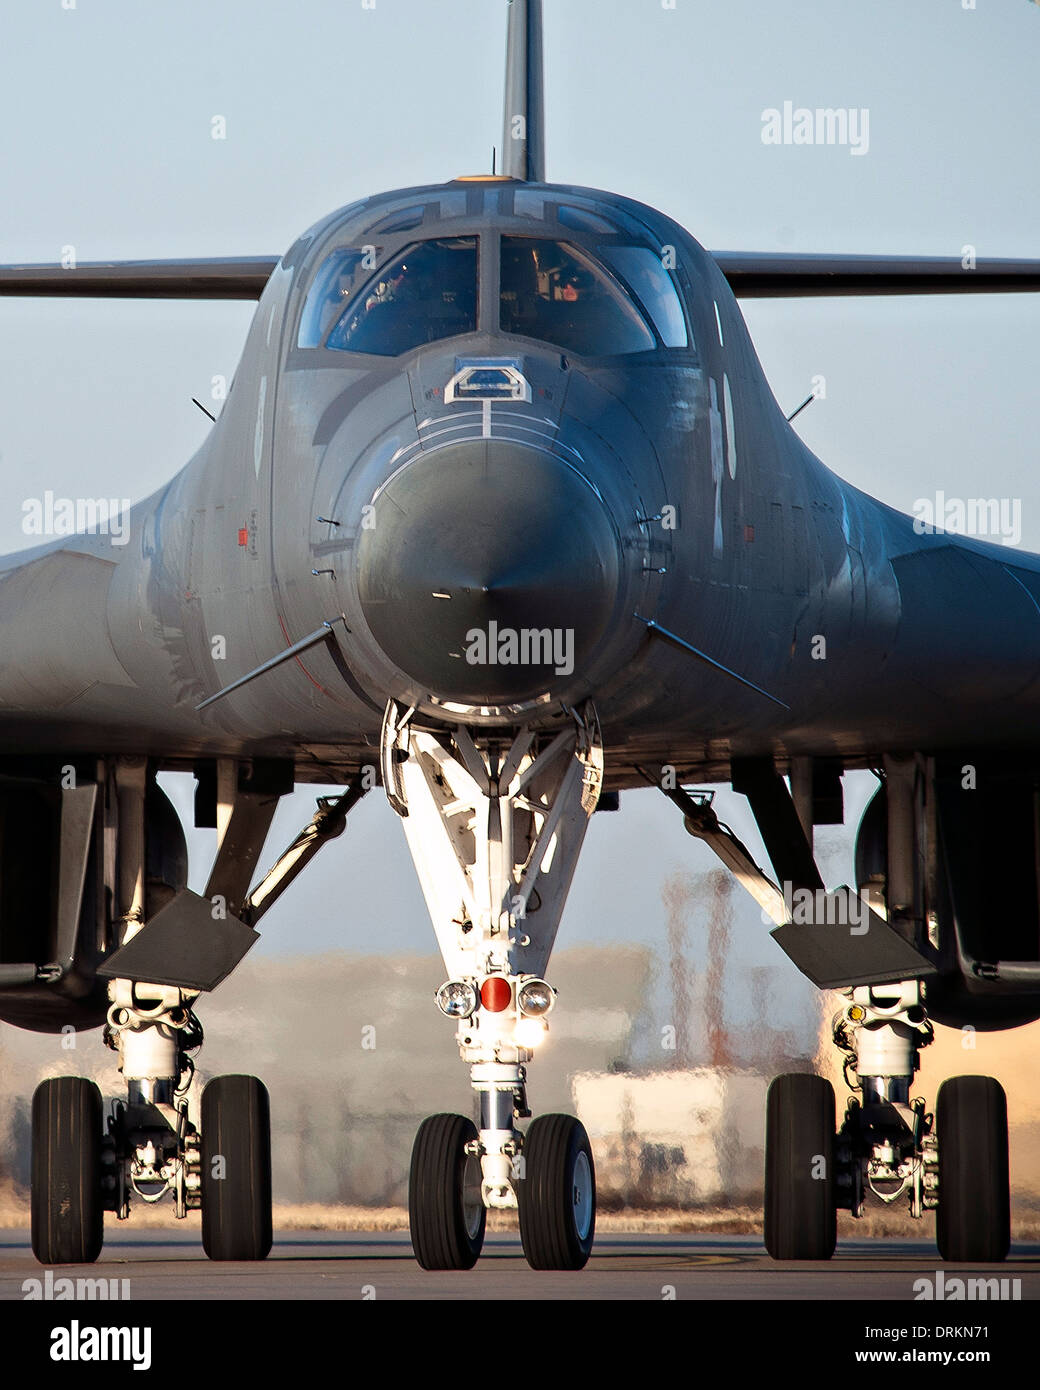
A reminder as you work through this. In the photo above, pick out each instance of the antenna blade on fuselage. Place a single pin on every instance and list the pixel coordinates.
(523, 126)
(783, 275)
(218, 277)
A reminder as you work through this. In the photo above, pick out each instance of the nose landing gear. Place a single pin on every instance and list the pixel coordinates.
(508, 818)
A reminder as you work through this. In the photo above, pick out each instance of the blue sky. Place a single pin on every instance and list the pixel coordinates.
(105, 114)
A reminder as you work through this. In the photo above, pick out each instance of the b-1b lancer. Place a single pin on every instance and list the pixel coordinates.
(501, 515)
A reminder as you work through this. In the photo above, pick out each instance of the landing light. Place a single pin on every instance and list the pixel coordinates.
(457, 998)
(535, 998)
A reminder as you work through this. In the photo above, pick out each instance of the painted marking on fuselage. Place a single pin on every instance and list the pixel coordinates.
(258, 435)
(485, 426)
(717, 462)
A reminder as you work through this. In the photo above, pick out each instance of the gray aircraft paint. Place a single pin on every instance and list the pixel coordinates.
(111, 647)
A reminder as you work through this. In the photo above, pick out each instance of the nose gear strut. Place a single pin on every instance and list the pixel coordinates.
(495, 829)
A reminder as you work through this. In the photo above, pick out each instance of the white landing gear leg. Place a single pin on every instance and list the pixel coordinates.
(495, 822)
(152, 1148)
(887, 1144)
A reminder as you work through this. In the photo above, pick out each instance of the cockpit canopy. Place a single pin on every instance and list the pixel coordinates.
(620, 299)
(426, 293)
(557, 294)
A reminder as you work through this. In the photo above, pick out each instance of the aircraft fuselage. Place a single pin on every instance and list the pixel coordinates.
(492, 560)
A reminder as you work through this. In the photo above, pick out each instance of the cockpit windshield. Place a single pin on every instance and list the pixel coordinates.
(426, 293)
(329, 293)
(618, 298)
(644, 272)
(553, 291)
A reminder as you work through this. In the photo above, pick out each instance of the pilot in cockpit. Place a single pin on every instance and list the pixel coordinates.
(388, 290)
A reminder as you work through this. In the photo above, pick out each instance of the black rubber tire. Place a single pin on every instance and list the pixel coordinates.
(444, 1195)
(973, 1219)
(557, 1230)
(801, 1218)
(236, 1208)
(68, 1215)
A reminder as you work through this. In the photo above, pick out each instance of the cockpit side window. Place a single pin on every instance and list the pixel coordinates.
(426, 293)
(332, 287)
(553, 291)
(644, 273)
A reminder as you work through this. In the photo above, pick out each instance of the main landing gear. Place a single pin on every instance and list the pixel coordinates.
(151, 1148)
(954, 1162)
(495, 832)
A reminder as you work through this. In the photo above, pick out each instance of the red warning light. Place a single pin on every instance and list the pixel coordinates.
(496, 994)
(243, 535)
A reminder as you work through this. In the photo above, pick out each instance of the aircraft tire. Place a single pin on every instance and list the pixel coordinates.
(800, 1208)
(557, 1194)
(973, 1220)
(446, 1213)
(68, 1218)
(236, 1169)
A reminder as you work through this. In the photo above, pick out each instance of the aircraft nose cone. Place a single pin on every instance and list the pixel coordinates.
(490, 572)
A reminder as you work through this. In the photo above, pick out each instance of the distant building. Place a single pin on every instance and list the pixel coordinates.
(677, 1138)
